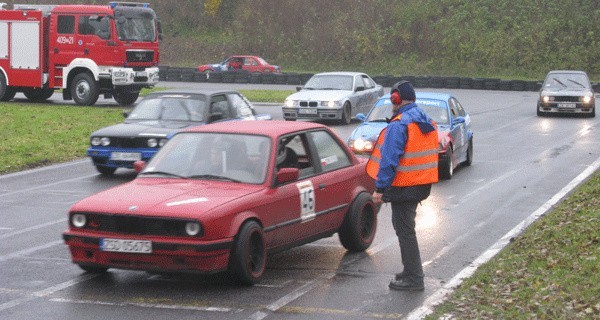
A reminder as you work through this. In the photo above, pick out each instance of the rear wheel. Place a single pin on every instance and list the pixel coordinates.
(84, 89)
(38, 95)
(125, 97)
(360, 223)
(249, 256)
(469, 160)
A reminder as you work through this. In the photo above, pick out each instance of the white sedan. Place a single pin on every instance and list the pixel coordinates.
(333, 96)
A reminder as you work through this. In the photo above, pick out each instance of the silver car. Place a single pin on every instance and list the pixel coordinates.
(333, 96)
(567, 91)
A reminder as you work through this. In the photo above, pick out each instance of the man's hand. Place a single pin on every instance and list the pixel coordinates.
(377, 198)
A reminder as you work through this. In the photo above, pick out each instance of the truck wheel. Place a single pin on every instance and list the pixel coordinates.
(125, 98)
(84, 89)
(6, 92)
(249, 255)
(38, 95)
(360, 223)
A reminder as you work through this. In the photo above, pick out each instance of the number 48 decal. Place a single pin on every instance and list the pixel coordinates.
(307, 200)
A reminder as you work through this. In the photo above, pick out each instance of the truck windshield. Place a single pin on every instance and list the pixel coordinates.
(136, 26)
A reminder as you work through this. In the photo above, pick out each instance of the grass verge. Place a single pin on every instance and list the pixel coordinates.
(551, 271)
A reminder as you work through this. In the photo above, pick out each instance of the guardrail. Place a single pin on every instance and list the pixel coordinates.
(290, 78)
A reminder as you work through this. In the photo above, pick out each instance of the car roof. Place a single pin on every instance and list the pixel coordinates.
(193, 91)
(340, 73)
(426, 95)
(271, 128)
(567, 71)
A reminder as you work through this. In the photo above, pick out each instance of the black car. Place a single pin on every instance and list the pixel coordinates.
(157, 117)
(567, 91)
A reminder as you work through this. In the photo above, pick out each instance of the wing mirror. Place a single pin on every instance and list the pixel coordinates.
(287, 174)
(361, 117)
(458, 120)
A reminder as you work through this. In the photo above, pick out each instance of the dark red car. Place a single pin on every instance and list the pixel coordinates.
(220, 197)
(252, 64)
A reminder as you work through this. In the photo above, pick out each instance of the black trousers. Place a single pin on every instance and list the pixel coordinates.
(403, 220)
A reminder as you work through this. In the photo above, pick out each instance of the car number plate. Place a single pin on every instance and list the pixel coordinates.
(126, 156)
(121, 245)
(140, 73)
(307, 111)
(566, 105)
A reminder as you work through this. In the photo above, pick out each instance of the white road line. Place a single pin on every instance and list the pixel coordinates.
(32, 228)
(47, 185)
(441, 295)
(147, 305)
(25, 252)
(46, 292)
(52, 167)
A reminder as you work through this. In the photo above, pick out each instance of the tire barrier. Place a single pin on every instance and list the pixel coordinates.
(167, 73)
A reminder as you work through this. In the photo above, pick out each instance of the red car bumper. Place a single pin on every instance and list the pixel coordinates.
(167, 255)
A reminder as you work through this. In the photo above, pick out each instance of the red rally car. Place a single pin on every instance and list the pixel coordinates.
(221, 197)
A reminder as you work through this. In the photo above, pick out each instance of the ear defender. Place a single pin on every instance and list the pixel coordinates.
(396, 98)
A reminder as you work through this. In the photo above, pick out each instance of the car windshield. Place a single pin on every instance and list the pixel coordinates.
(135, 24)
(329, 82)
(562, 81)
(435, 109)
(213, 156)
(171, 107)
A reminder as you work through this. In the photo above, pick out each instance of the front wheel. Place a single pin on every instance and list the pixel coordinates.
(360, 223)
(347, 113)
(249, 255)
(84, 89)
(446, 170)
(469, 160)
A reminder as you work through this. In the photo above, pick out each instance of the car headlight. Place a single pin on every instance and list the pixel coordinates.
(78, 220)
(162, 142)
(192, 228)
(330, 104)
(289, 103)
(586, 99)
(362, 145)
(105, 141)
(547, 99)
(95, 141)
(152, 143)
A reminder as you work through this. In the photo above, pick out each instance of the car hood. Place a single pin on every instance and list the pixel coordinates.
(566, 92)
(151, 127)
(319, 95)
(183, 198)
(370, 131)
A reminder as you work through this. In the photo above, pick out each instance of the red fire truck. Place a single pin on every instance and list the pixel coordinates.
(85, 50)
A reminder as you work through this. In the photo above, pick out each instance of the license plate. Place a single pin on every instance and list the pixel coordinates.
(307, 111)
(140, 73)
(566, 105)
(121, 245)
(126, 156)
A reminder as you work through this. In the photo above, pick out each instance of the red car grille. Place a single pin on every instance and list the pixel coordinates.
(136, 225)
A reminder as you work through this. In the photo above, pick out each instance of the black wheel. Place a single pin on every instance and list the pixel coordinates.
(91, 269)
(446, 169)
(347, 114)
(6, 92)
(84, 89)
(38, 95)
(360, 223)
(106, 170)
(593, 114)
(469, 160)
(125, 98)
(249, 254)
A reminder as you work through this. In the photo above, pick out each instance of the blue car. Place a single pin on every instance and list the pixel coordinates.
(157, 117)
(454, 129)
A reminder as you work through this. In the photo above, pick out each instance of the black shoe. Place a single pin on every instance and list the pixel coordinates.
(399, 276)
(405, 285)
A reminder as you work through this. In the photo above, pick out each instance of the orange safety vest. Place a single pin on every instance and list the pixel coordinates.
(419, 163)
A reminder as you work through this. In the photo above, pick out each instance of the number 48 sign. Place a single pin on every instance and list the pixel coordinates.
(307, 200)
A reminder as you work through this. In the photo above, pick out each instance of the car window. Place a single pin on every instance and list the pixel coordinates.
(292, 153)
(459, 108)
(329, 82)
(241, 107)
(367, 82)
(250, 62)
(330, 153)
(435, 109)
(453, 109)
(359, 82)
(219, 107)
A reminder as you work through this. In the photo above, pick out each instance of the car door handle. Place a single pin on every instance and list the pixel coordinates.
(322, 186)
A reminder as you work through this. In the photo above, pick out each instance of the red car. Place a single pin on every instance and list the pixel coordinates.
(221, 197)
(253, 64)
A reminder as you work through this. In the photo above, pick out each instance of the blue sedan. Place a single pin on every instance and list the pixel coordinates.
(454, 129)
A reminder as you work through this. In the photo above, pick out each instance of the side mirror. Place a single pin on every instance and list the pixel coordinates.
(126, 114)
(361, 117)
(287, 174)
(298, 88)
(458, 120)
(139, 165)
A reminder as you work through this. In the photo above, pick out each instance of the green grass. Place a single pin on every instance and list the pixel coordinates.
(551, 271)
